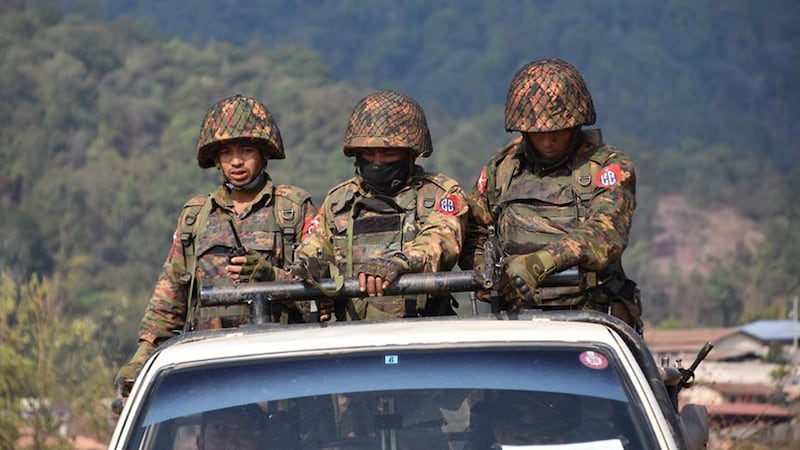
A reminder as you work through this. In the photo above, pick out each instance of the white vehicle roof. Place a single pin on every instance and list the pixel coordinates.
(370, 336)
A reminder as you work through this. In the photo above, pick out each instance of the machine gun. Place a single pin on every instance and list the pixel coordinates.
(259, 295)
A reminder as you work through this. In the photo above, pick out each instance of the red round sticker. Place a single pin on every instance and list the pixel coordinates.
(608, 176)
(593, 360)
(448, 205)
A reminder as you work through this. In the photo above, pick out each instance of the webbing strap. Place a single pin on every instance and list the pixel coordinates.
(189, 256)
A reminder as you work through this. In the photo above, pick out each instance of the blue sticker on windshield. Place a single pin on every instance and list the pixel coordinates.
(391, 359)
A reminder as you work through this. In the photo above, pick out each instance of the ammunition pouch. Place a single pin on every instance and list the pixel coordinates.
(617, 295)
(377, 308)
(441, 305)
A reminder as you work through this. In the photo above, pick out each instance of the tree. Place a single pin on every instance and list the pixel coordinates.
(50, 365)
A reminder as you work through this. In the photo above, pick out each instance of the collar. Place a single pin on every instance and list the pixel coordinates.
(222, 195)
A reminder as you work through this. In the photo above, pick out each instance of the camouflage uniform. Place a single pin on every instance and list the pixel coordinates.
(203, 239)
(578, 210)
(424, 220)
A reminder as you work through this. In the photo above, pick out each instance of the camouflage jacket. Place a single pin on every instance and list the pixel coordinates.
(580, 211)
(425, 220)
(262, 227)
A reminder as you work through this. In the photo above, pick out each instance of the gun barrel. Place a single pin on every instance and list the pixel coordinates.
(431, 283)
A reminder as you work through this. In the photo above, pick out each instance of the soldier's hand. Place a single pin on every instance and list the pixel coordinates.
(523, 273)
(123, 380)
(251, 267)
(310, 269)
(377, 274)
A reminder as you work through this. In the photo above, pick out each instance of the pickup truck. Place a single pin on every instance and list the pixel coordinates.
(531, 380)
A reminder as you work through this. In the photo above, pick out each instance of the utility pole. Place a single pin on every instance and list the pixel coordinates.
(794, 333)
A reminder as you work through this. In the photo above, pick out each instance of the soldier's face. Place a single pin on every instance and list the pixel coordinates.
(383, 155)
(551, 144)
(240, 163)
(222, 434)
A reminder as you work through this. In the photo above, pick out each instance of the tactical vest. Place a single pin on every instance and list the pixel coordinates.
(207, 240)
(532, 211)
(378, 226)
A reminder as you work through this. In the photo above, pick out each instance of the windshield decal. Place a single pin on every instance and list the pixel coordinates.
(593, 360)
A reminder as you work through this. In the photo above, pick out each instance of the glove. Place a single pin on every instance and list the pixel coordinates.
(310, 269)
(127, 373)
(387, 269)
(523, 273)
(256, 268)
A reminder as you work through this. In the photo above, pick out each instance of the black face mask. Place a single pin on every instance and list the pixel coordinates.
(386, 179)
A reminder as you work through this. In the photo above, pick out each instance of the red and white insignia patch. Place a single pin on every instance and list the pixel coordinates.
(310, 225)
(448, 205)
(482, 182)
(608, 176)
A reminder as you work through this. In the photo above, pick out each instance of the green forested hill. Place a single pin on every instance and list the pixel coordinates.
(661, 70)
(100, 121)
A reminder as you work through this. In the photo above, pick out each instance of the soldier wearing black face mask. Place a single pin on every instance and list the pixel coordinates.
(392, 217)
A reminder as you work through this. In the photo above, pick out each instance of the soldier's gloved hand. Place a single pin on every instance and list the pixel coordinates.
(523, 273)
(378, 273)
(123, 381)
(252, 267)
(310, 269)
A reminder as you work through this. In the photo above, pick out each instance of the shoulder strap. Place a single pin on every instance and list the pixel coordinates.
(510, 167)
(289, 216)
(193, 225)
(587, 164)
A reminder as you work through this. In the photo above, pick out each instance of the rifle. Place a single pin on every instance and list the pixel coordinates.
(239, 249)
(493, 256)
(677, 378)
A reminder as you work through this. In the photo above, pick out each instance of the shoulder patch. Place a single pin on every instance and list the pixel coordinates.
(311, 225)
(608, 176)
(482, 181)
(448, 205)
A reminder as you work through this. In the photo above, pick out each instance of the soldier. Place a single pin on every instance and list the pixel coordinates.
(558, 197)
(237, 137)
(392, 217)
(241, 427)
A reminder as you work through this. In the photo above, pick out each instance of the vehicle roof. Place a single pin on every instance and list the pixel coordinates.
(366, 336)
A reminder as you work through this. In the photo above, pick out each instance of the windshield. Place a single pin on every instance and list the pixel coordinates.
(444, 399)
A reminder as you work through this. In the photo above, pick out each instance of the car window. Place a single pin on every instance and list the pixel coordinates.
(409, 399)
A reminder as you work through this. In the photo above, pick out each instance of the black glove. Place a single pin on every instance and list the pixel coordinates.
(256, 268)
(387, 269)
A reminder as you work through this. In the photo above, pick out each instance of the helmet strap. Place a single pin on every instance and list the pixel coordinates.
(255, 184)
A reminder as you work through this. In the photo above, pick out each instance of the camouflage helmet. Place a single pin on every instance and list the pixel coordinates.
(548, 95)
(238, 117)
(388, 119)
